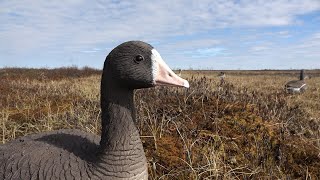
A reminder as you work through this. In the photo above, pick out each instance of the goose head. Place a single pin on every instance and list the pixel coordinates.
(136, 64)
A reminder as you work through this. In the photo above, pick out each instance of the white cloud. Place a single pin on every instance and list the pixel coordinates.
(89, 51)
(80, 26)
(259, 48)
(87, 22)
(281, 34)
(316, 36)
(191, 44)
(206, 52)
(311, 42)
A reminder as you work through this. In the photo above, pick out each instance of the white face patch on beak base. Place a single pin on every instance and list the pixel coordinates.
(162, 74)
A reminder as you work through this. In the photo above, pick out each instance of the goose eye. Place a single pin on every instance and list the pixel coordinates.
(139, 58)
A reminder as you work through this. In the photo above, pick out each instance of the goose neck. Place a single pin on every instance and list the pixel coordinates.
(118, 115)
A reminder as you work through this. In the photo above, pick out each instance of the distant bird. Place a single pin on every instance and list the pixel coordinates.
(222, 76)
(118, 153)
(297, 86)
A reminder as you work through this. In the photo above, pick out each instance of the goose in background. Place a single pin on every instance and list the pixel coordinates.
(297, 86)
(179, 72)
(116, 154)
(222, 77)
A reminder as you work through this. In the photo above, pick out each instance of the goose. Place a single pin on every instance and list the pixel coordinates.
(179, 72)
(297, 86)
(222, 76)
(118, 153)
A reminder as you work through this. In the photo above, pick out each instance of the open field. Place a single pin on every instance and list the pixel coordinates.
(246, 128)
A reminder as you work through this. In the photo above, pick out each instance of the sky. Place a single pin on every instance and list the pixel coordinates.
(189, 34)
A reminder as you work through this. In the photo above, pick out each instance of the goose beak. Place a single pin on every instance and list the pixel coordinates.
(163, 75)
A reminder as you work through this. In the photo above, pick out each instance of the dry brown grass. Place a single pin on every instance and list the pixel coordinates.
(247, 128)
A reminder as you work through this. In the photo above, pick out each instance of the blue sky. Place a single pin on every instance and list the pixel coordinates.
(205, 34)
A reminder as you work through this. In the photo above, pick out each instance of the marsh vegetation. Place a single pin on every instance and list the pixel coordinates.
(246, 128)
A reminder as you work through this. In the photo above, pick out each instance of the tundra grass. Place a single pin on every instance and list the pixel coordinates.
(244, 128)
